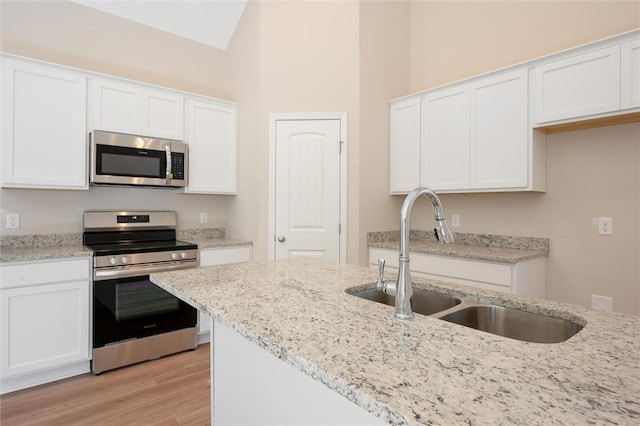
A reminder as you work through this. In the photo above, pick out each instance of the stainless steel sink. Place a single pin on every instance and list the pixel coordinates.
(514, 323)
(506, 322)
(424, 302)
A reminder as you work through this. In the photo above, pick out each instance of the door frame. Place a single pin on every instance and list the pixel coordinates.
(273, 119)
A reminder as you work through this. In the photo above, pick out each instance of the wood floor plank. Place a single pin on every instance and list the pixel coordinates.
(169, 391)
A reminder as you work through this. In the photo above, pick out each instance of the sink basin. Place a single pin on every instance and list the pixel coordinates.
(423, 302)
(514, 323)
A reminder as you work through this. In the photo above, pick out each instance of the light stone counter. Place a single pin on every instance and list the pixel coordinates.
(24, 248)
(425, 371)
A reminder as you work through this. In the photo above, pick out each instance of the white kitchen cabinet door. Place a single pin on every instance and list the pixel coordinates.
(225, 255)
(445, 143)
(630, 74)
(211, 132)
(44, 139)
(116, 106)
(162, 114)
(45, 321)
(404, 145)
(578, 86)
(125, 107)
(499, 133)
(44, 326)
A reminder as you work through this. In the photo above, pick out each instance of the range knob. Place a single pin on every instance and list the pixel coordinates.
(124, 259)
(112, 260)
(174, 255)
(183, 255)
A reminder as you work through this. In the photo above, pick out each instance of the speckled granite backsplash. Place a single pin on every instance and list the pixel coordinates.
(201, 234)
(487, 240)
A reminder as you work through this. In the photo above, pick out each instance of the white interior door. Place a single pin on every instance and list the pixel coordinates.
(307, 189)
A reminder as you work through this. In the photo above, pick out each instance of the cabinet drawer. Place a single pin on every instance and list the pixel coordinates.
(222, 256)
(479, 271)
(31, 273)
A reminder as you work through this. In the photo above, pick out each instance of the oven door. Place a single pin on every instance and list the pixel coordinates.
(134, 307)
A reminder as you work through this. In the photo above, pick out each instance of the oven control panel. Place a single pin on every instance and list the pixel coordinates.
(144, 258)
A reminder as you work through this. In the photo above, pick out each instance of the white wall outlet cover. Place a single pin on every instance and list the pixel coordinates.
(203, 217)
(13, 221)
(605, 226)
(602, 303)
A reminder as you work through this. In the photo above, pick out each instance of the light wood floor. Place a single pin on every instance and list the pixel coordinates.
(173, 390)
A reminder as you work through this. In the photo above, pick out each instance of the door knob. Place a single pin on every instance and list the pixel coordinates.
(281, 239)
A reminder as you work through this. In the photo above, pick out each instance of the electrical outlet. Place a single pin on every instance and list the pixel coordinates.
(603, 303)
(13, 221)
(455, 220)
(203, 217)
(605, 226)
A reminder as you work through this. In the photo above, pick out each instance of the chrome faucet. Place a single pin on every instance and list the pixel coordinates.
(402, 288)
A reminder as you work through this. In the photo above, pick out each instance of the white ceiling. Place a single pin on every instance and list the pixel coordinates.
(211, 22)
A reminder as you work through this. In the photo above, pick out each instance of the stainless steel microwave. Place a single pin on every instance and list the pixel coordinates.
(131, 160)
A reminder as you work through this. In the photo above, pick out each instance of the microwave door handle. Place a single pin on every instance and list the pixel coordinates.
(168, 171)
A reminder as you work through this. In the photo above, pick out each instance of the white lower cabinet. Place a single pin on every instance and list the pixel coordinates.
(251, 386)
(45, 321)
(213, 257)
(525, 278)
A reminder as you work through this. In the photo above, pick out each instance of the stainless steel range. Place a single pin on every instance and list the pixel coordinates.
(133, 319)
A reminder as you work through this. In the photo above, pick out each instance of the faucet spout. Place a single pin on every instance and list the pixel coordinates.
(403, 287)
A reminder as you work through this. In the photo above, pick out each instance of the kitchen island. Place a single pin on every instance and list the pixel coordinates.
(425, 371)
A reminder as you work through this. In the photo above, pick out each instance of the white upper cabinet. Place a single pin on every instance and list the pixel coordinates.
(630, 74)
(211, 132)
(445, 145)
(44, 138)
(474, 137)
(578, 86)
(499, 143)
(125, 107)
(404, 145)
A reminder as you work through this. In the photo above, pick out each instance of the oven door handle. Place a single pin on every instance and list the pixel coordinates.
(133, 271)
(168, 174)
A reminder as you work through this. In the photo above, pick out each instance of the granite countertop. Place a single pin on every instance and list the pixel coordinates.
(425, 371)
(495, 248)
(24, 248)
(210, 238)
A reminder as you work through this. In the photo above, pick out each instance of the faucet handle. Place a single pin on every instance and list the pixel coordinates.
(381, 263)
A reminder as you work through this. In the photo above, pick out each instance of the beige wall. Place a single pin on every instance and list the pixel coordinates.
(452, 40)
(590, 173)
(384, 75)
